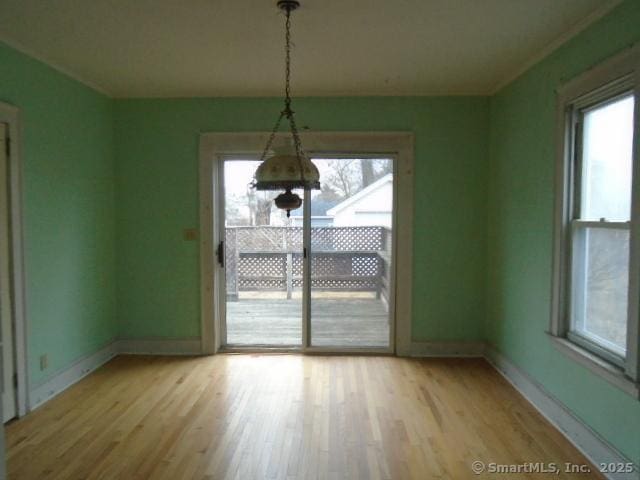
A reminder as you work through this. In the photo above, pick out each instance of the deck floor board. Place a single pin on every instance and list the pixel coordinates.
(342, 322)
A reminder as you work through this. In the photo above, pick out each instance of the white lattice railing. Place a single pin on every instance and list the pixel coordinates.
(342, 259)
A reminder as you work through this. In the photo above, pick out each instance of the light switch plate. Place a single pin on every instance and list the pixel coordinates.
(190, 234)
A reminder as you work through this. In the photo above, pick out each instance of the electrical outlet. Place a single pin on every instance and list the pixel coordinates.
(44, 362)
(190, 234)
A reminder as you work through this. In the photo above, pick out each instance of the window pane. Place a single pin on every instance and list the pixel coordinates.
(351, 261)
(263, 252)
(607, 156)
(600, 286)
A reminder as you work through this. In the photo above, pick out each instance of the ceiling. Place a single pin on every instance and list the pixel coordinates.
(178, 48)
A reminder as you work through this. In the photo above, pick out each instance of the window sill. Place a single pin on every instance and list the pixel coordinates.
(611, 373)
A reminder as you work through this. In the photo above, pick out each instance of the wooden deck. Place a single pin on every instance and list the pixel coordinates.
(340, 322)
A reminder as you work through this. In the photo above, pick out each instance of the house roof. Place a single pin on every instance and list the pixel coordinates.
(361, 194)
(319, 208)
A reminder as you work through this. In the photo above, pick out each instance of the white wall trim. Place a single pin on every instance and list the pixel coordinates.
(611, 373)
(548, 49)
(66, 377)
(447, 349)
(210, 276)
(591, 444)
(63, 379)
(214, 146)
(159, 346)
(11, 115)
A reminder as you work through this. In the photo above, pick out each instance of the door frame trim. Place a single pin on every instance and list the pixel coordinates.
(213, 145)
(10, 114)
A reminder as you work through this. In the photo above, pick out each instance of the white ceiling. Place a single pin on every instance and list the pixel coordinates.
(177, 48)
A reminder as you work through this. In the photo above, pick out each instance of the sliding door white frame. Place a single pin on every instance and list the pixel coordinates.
(398, 145)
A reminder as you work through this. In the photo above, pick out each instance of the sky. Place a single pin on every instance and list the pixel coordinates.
(239, 173)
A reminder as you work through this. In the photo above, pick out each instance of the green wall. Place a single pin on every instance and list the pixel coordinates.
(68, 194)
(520, 222)
(82, 149)
(157, 179)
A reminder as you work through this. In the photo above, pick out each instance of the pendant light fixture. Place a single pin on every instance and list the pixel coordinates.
(286, 168)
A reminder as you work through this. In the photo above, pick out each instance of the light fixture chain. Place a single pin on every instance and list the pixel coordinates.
(287, 95)
(275, 129)
(287, 61)
(296, 141)
(278, 161)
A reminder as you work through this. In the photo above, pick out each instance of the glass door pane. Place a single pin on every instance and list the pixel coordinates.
(350, 257)
(263, 263)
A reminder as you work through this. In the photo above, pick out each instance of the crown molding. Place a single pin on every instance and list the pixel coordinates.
(60, 69)
(540, 55)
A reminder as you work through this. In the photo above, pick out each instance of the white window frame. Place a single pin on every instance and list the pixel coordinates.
(603, 82)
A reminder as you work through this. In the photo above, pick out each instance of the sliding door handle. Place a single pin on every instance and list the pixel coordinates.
(220, 254)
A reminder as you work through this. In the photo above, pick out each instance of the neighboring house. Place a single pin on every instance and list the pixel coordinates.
(370, 206)
(319, 216)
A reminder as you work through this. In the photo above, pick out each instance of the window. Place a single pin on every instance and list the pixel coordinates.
(599, 275)
(595, 274)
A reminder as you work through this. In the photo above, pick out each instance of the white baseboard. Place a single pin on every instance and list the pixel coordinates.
(592, 445)
(160, 346)
(63, 379)
(447, 349)
(82, 367)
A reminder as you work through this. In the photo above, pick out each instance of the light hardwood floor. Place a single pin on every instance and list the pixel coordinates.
(284, 416)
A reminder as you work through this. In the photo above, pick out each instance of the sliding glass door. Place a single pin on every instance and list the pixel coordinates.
(350, 262)
(321, 279)
(262, 262)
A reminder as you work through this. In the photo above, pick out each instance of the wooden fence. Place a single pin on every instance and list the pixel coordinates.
(342, 259)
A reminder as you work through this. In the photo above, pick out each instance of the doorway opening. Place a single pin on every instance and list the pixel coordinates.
(12, 319)
(319, 278)
(9, 396)
(334, 277)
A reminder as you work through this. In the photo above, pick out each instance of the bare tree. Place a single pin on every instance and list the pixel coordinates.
(328, 194)
(263, 211)
(344, 177)
(381, 167)
(368, 175)
(235, 211)
(259, 207)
